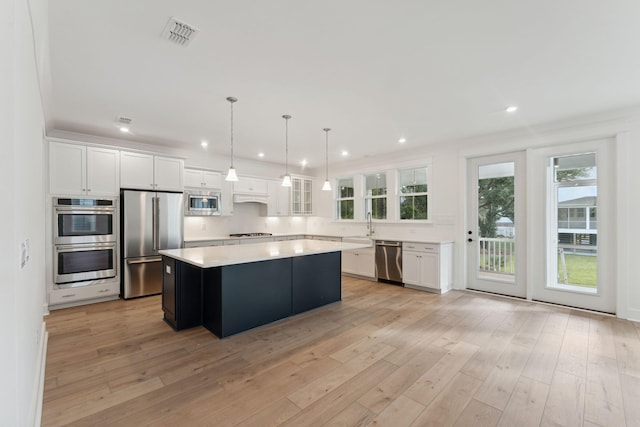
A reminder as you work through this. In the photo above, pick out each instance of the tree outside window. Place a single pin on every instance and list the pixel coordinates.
(345, 198)
(413, 193)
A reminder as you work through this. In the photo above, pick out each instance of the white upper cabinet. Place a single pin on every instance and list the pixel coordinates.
(80, 170)
(149, 172)
(278, 203)
(246, 185)
(168, 173)
(103, 167)
(203, 179)
(301, 196)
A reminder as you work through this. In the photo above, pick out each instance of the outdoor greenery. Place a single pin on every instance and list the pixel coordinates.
(581, 270)
(495, 200)
(345, 209)
(345, 198)
(413, 207)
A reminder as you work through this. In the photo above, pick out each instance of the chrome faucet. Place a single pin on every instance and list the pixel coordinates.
(369, 224)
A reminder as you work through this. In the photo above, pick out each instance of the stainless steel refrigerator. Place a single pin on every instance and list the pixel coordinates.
(150, 221)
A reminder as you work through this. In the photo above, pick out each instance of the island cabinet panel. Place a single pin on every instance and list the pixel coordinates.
(181, 294)
(316, 281)
(240, 297)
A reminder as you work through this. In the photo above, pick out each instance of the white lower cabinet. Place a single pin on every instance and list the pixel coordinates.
(360, 262)
(427, 266)
(74, 296)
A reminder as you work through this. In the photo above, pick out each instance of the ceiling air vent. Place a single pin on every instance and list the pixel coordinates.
(179, 32)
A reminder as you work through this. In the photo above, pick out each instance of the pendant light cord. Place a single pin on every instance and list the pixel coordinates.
(326, 171)
(286, 118)
(231, 100)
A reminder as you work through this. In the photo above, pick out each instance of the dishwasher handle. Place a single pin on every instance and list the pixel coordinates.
(391, 244)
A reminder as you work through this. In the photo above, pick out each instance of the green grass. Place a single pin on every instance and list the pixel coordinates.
(581, 270)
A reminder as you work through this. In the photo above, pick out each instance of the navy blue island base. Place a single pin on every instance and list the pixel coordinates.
(234, 298)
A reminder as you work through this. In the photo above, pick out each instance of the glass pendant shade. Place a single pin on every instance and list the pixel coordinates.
(231, 175)
(286, 181)
(326, 186)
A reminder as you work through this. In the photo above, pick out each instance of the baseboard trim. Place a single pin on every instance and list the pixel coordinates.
(36, 405)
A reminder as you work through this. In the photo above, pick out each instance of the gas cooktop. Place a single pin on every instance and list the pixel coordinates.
(249, 234)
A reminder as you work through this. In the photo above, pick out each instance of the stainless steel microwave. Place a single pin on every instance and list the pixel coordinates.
(201, 203)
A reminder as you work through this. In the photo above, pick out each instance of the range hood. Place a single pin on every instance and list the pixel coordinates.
(250, 198)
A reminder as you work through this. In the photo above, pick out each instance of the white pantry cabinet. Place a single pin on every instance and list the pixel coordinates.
(278, 201)
(202, 179)
(148, 172)
(81, 170)
(427, 266)
(360, 262)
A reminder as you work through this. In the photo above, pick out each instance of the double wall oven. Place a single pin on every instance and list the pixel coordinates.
(85, 241)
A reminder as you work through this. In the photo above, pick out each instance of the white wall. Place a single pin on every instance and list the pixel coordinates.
(22, 289)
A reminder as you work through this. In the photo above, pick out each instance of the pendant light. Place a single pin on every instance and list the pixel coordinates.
(286, 181)
(327, 184)
(231, 175)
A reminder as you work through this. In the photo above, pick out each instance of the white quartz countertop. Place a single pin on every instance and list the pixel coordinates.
(217, 256)
(275, 235)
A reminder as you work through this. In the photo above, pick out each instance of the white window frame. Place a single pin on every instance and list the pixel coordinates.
(339, 199)
(369, 199)
(400, 195)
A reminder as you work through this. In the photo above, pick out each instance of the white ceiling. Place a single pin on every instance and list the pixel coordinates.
(374, 71)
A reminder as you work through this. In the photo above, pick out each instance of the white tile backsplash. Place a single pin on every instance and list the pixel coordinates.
(246, 219)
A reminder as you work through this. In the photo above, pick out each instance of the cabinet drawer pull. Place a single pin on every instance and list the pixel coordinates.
(103, 290)
(68, 295)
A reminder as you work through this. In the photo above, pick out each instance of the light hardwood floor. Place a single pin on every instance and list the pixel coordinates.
(384, 356)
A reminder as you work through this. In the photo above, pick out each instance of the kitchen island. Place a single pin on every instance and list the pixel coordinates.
(230, 289)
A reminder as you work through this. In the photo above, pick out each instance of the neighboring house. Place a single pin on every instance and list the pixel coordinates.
(505, 228)
(578, 223)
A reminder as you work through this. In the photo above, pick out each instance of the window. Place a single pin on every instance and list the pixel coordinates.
(345, 198)
(376, 195)
(413, 193)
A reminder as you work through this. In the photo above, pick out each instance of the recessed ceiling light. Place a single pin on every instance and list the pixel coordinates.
(402, 140)
(345, 153)
(511, 109)
(260, 155)
(124, 129)
(304, 162)
(204, 144)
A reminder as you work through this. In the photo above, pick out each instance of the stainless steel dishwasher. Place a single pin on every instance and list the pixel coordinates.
(389, 261)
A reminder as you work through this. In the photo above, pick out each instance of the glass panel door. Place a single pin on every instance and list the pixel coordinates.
(496, 232)
(574, 229)
(573, 199)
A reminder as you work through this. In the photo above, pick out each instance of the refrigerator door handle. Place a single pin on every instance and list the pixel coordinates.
(154, 236)
(156, 229)
(144, 260)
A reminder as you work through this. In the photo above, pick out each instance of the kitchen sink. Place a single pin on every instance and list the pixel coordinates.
(359, 239)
